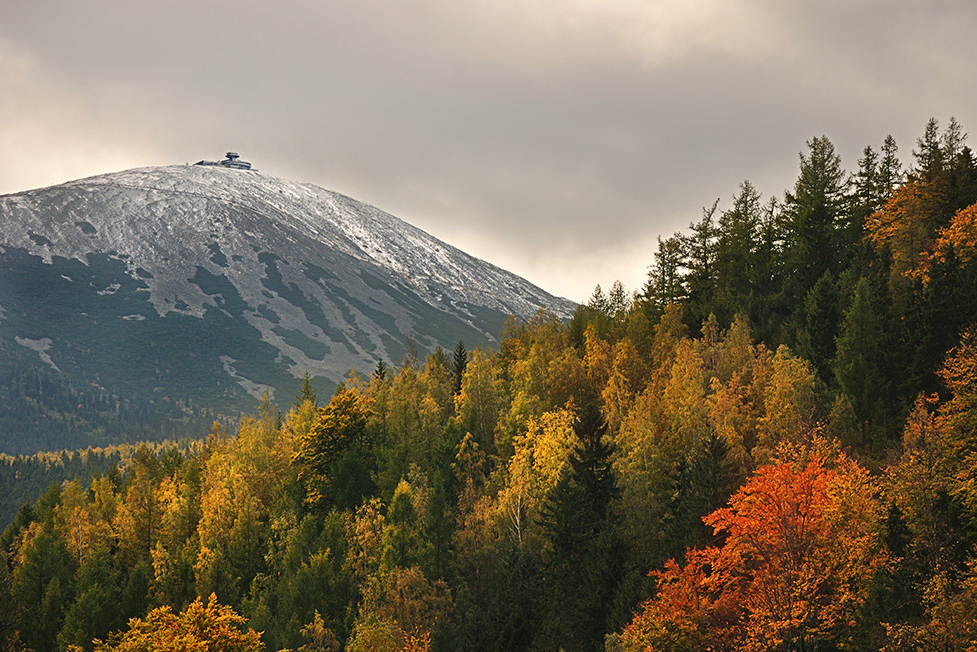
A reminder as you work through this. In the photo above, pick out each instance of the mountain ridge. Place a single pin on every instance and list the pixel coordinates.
(175, 281)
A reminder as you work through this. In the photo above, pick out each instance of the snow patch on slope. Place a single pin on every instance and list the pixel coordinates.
(254, 389)
(41, 347)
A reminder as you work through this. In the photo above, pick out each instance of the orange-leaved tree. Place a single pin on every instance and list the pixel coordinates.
(906, 224)
(958, 237)
(801, 543)
(198, 628)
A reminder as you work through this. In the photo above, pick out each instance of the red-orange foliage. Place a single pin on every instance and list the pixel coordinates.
(801, 545)
(959, 237)
(906, 223)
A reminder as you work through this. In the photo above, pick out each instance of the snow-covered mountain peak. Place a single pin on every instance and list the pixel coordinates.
(315, 280)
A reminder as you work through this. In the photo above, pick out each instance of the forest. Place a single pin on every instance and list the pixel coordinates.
(43, 411)
(771, 446)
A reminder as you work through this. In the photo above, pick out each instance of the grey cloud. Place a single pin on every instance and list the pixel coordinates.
(537, 135)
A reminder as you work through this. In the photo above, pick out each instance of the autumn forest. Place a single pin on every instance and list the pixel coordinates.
(772, 445)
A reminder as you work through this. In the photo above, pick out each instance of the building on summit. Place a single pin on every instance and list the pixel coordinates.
(232, 161)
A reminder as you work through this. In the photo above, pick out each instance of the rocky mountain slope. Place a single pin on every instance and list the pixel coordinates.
(210, 285)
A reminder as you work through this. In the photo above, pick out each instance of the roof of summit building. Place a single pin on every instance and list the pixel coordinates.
(232, 160)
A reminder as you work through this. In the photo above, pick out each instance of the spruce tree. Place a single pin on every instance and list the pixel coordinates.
(380, 371)
(816, 212)
(460, 363)
(582, 565)
(860, 357)
(307, 393)
(890, 167)
(816, 339)
(699, 249)
(736, 254)
(665, 285)
(868, 188)
(929, 153)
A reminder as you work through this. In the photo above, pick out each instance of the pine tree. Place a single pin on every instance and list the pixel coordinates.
(583, 558)
(860, 356)
(617, 300)
(699, 247)
(460, 364)
(816, 211)
(952, 141)
(598, 301)
(816, 340)
(929, 154)
(665, 285)
(890, 167)
(380, 371)
(736, 254)
(308, 392)
(869, 193)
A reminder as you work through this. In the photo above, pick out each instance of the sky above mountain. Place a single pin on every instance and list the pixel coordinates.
(555, 138)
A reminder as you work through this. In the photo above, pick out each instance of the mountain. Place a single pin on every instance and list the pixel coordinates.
(190, 290)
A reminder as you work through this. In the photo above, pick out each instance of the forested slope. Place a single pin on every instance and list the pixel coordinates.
(773, 446)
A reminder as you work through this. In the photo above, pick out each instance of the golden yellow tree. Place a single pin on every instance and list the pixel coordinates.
(199, 628)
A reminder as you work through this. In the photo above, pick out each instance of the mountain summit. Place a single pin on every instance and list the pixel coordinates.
(212, 283)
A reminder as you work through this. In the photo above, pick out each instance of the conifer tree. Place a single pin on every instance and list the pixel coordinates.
(307, 393)
(583, 552)
(699, 259)
(822, 315)
(617, 300)
(890, 167)
(929, 154)
(860, 350)
(380, 371)
(868, 188)
(459, 366)
(736, 254)
(815, 213)
(665, 283)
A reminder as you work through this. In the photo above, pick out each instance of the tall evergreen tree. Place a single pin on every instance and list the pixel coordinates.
(890, 167)
(868, 191)
(822, 314)
(460, 363)
(617, 300)
(929, 153)
(583, 552)
(737, 248)
(816, 212)
(380, 371)
(699, 261)
(307, 393)
(665, 284)
(859, 362)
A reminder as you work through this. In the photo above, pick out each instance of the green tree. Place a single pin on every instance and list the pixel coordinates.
(665, 284)
(821, 320)
(929, 154)
(460, 363)
(42, 583)
(860, 357)
(582, 553)
(95, 610)
(736, 254)
(890, 173)
(338, 427)
(815, 211)
(699, 248)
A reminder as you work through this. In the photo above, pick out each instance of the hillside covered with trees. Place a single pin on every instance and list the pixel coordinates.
(772, 446)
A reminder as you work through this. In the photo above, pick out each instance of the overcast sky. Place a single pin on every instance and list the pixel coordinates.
(555, 138)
